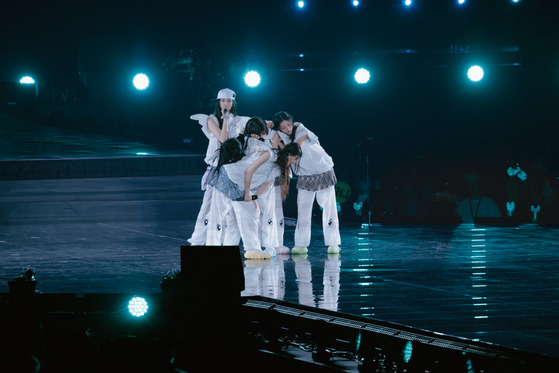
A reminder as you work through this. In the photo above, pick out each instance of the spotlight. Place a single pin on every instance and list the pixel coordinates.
(461, 2)
(362, 76)
(138, 306)
(140, 81)
(408, 3)
(27, 80)
(301, 4)
(252, 78)
(355, 3)
(475, 73)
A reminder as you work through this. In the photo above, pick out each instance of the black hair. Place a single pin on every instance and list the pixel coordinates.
(217, 112)
(255, 126)
(292, 149)
(279, 117)
(231, 151)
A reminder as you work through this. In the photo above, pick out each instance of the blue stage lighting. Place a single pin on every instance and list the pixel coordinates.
(301, 4)
(475, 73)
(252, 78)
(140, 81)
(362, 76)
(27, 80)
(138, 306)
(355, 3)
(408, 2)
(461, 2)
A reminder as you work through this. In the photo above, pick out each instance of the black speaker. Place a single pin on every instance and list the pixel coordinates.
(211, 271)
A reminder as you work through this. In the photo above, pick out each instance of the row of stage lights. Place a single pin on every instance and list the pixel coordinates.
(253, 79)
(408, 3)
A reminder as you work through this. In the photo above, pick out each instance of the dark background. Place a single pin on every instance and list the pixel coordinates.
(419, 119)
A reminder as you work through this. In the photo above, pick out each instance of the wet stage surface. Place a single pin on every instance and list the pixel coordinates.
(122, 234)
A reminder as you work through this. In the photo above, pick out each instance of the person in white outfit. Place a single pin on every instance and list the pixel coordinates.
(218, 127)
(244, 182)
(315, 180)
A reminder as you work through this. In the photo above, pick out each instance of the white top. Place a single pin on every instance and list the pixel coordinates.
(235, 125)
(266, 172)
(315, 160)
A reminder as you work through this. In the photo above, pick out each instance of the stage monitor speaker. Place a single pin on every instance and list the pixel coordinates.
(212, 270)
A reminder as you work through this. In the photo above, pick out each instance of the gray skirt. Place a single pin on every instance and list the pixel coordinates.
(317, 182)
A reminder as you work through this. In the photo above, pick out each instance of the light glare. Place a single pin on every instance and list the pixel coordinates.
(137, 306)
(27, 80)
(362, 76)
(475, 73)
(252, 79)
(140, 81)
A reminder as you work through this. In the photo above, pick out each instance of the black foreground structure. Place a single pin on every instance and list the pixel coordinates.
(185, 330)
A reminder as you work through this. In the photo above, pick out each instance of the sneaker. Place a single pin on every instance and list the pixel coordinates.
(299, 250)
(282, 250)
(257, 254)
(334, 249)
(269, 251)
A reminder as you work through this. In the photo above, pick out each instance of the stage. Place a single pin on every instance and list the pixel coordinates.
(84, 233)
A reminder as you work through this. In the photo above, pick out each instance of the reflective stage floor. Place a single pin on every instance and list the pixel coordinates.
(122, 234)
(107, 235)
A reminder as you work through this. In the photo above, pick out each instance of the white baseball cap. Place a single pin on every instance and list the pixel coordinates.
(225, 93)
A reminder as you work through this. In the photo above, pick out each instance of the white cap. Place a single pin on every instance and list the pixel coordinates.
(226, 93)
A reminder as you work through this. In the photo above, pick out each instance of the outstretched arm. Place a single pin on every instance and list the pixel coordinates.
(250, 171)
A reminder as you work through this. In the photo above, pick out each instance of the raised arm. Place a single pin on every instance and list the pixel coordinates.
(221, 134)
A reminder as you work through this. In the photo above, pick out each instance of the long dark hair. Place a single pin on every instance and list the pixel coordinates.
(217, 112)
(279, 117)
(254, 126)
(292, 149)
(231, 151)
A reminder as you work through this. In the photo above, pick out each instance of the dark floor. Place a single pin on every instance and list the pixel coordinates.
(122, 234)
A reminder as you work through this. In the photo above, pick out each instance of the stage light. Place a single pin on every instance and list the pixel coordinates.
(140, 81)
(27, 80)
(362, 76)
(252, 78)
(355, 3)
(475, 73)
(408, 3)
(137, 306)
(461, 2)
(301, 4)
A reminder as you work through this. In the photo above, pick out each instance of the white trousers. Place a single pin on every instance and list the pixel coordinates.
(279, 214)
(198, 237)
(326, 198)
(242, 223)
(220, 207)
(268, 222)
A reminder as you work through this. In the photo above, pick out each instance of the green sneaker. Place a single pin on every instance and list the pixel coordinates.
(334, 249)
(299, 250)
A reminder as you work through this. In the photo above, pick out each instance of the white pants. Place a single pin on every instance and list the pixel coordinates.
(268, 222)
(198, 237)
(326, 198)
(220, 207)
(279, 214)
(243, 222)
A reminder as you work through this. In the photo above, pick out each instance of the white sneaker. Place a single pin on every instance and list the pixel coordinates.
(257, 254)
(281, 250)
(270, 251)
(299, 250)
(334, 249)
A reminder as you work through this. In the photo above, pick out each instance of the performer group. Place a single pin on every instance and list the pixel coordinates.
(250, 162)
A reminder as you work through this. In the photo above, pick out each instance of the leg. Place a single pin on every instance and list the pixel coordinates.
(198, 237)
(220, 206)
(268, 223)
(326, 198)
(280, 249)
(305, 201)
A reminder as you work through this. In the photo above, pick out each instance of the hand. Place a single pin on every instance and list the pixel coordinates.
(255, 201)
(248, 197)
